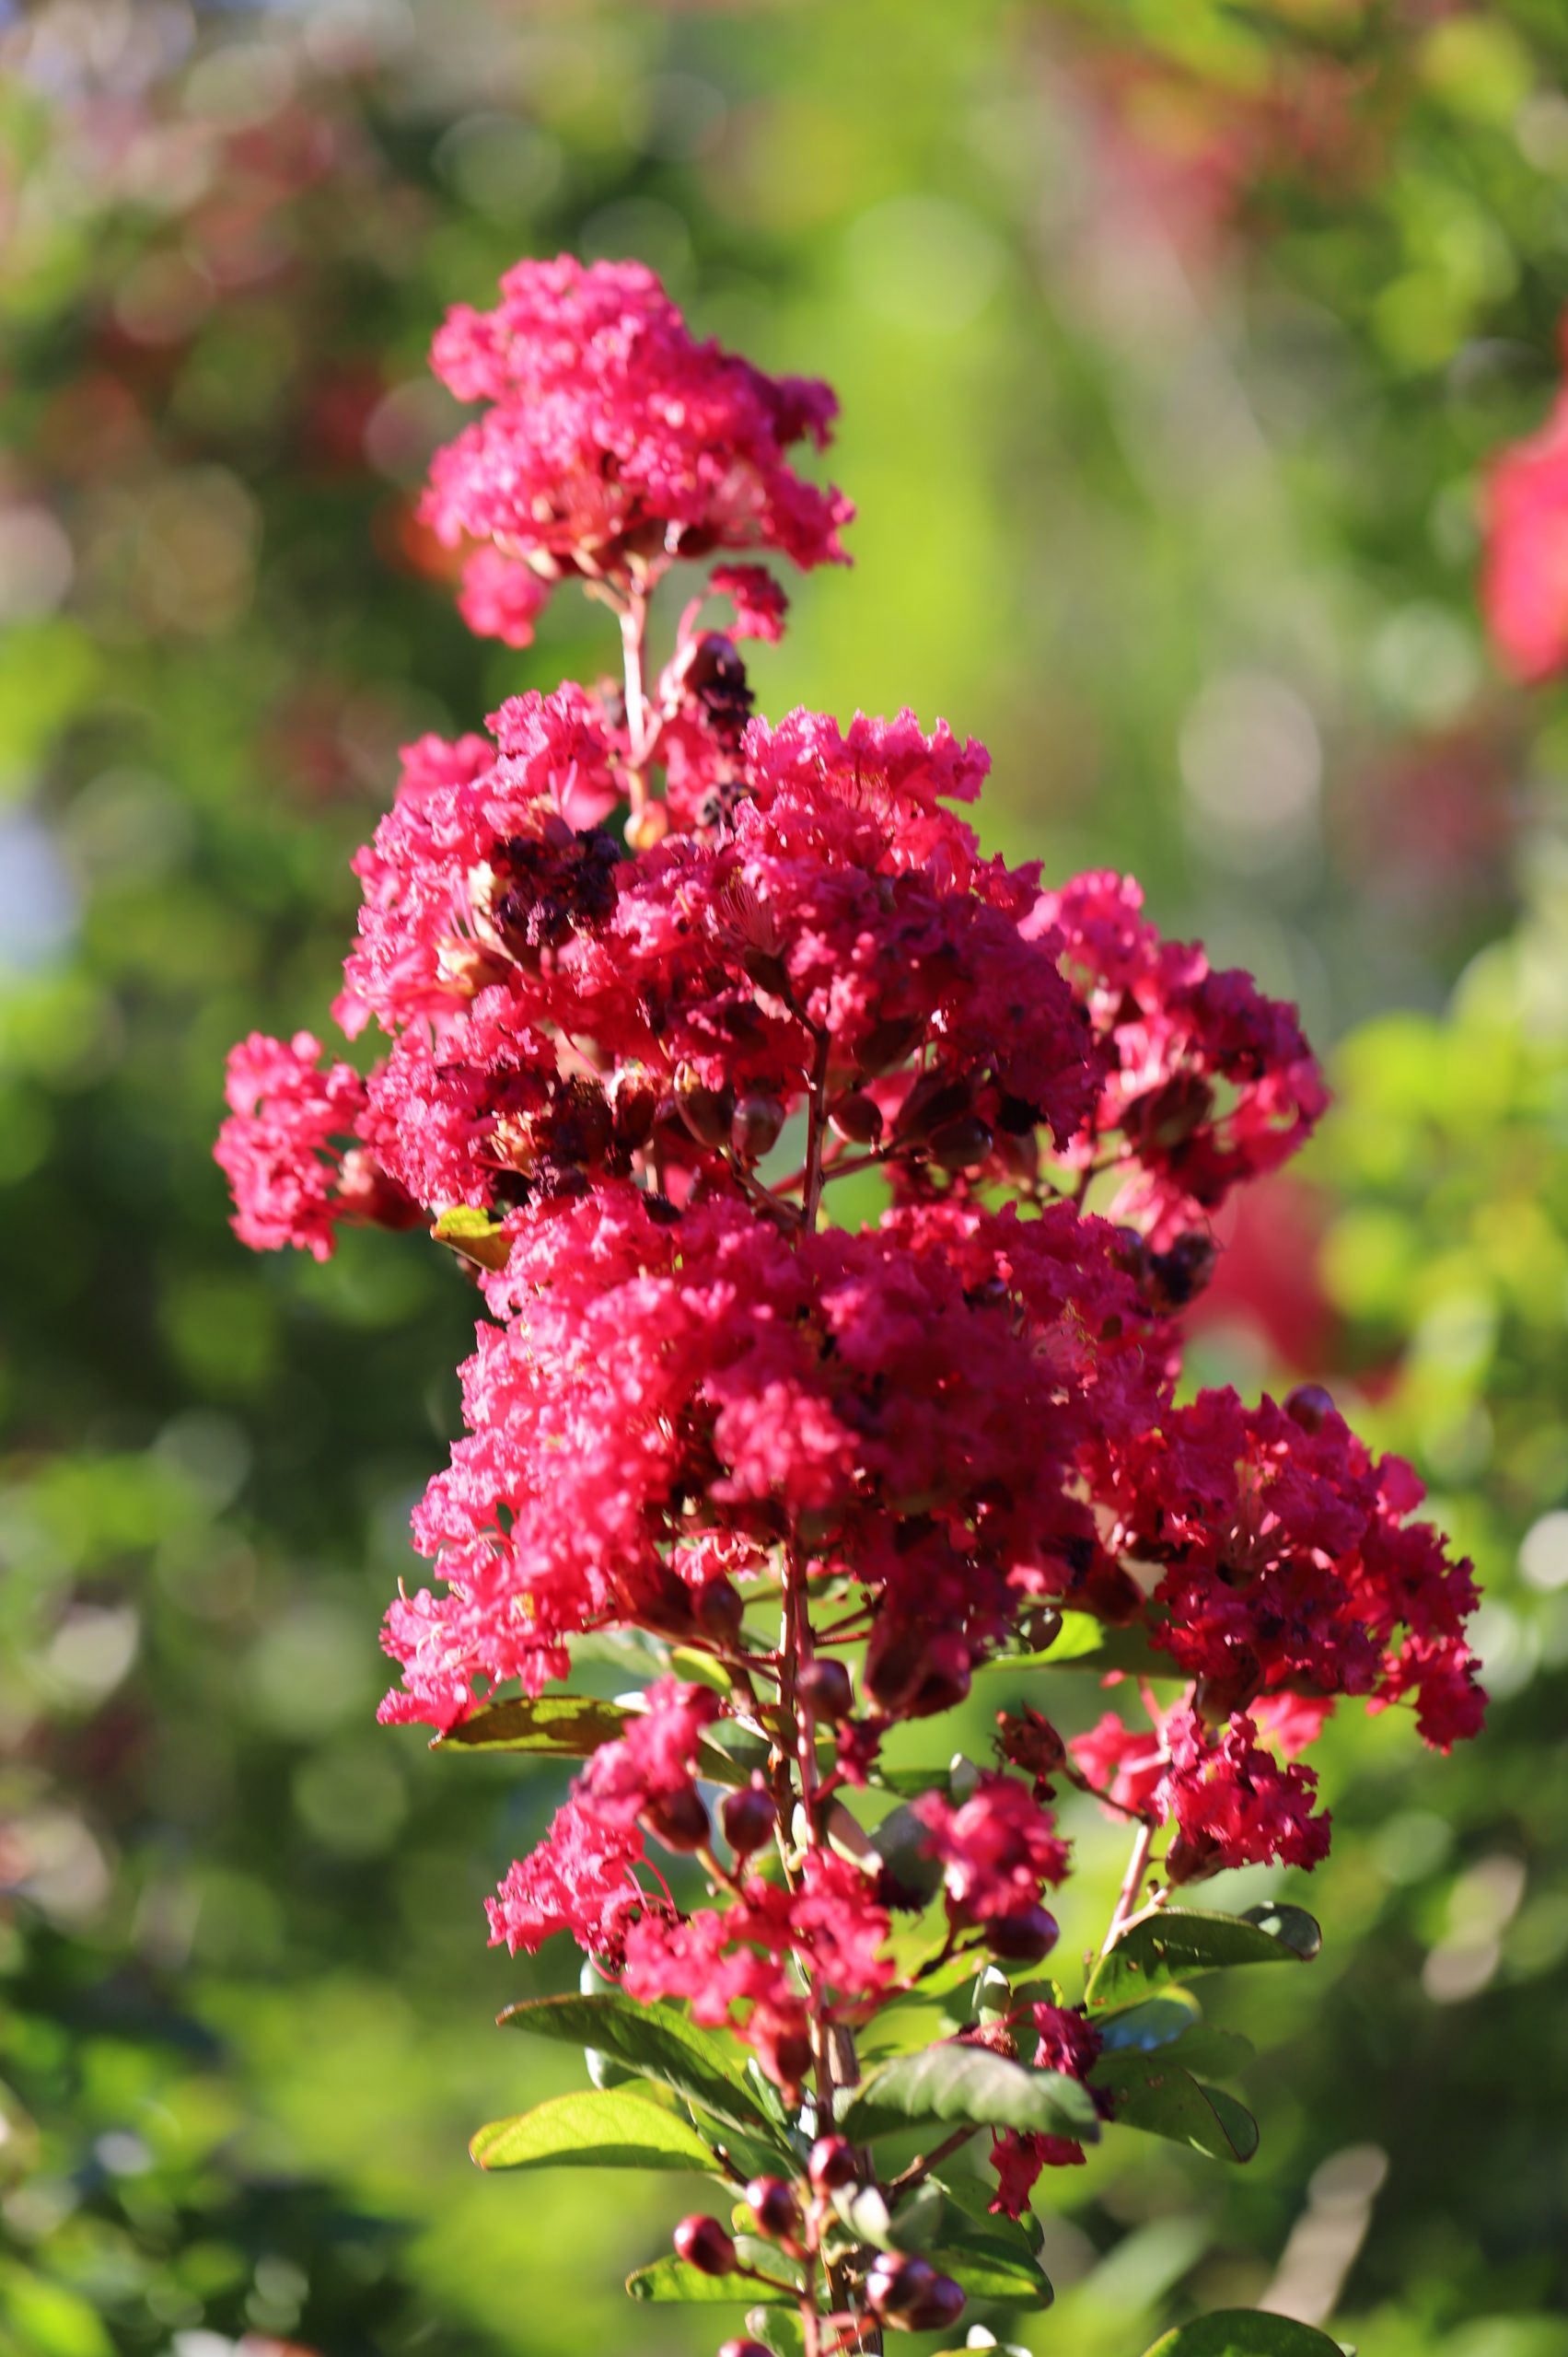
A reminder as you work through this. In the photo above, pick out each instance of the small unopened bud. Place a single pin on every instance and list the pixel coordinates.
(1310, 1406)
(748, 1819)
(857, 1117)
(1178, 1276)
(1028, 1741)
(1221, 1694)
(886, 1044)
(703, 2244)
(833, 2164)
(962, 1145)
(680, 1819)
(908, 2292)
(744, 2348)
(1026, 1936)
(792, 2053)
(719, 1609)
(707, 1112)
(824, 1685)
(775, 2207)
(932, 1102)
(754, 1130)
(1166, 1117)
(1192, 1857)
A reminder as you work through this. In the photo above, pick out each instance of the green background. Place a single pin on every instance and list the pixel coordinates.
(1172, 340)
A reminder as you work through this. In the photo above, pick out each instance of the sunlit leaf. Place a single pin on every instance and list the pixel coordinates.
(569, 1727)
(1245, 2332)
(968, 2083)
(596, 2130)
(1171, 1944)
(656, 2042)
(1153, 2091)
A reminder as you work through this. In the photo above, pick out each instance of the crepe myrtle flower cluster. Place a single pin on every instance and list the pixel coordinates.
(657, 981)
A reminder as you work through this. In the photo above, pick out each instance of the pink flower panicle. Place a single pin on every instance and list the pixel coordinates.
(652, 978)
(611, 443)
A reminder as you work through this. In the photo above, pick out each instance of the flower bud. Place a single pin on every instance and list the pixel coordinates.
(942, 2305)
(775, 2207)
(755, 1130)
(748, 1819)
(744, 2348)
(1192, 1857)
(703, 2244)
(1025, 1936)
(1178, 1276)
(824, 1685)
(680, 1819)
(1027, 1740)
(931, 1102)
(857, 1117)
(719, 1609)
(707, 1112)
(1220, 1695)
(886, 1044)
(833, 2164)
(908, 2293)
(1166, 1117)
(792, 2057)
(1310, 1406)
(961, 1144)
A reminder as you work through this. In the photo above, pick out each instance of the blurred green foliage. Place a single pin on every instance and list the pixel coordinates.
(1170, 337)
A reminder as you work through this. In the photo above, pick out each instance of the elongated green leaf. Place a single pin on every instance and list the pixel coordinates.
(1173, 2027)
(1084, 1642)
(595, 2131)
(670, 2279)
(988, 2269)
(962, 2084)
(1152, 2092)
(569, 1727)
(658, 2044)
(973, 2196)
(1170, 1943)
(1243, 2332)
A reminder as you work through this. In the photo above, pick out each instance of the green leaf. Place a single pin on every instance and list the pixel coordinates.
(968, 2083)
(670, 2279)
(656, 2042)
(1243, 2332)
(472, 1233)
(1084, 1642)
(592, 2130)
(989, 2270)
(1170, 1943)
(1173, 2027)
(1152, 2092)
(570, 1727)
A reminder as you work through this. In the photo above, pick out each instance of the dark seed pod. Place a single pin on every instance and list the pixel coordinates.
(755, 1130)
(1310, 1406)
(775, 2207)
(961, 1144)
(719, 1609)
(1191, 1857)
(857, 1117)
(898, 2282)
(833, 2164)
(748, 1819)
(942, 2304)
(824, 1683)
(1025, 1936)
(680, 1820)
(703, 2244)
(707, 1112)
